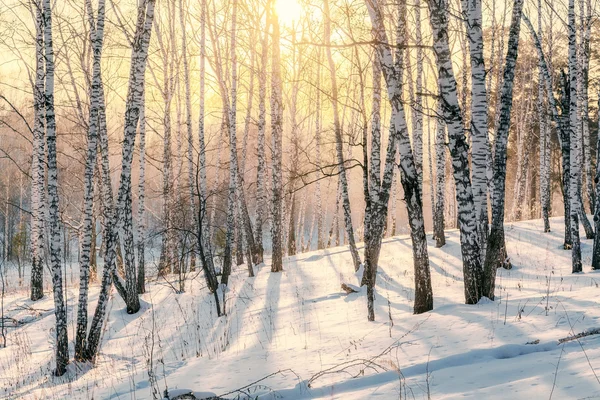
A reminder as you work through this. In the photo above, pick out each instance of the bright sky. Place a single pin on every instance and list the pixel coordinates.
(288, 11)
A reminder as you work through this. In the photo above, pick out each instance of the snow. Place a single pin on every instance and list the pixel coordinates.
(297, 325)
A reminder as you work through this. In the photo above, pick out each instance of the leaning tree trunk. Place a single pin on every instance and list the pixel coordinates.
(135, 92)
(339, 141)
(496, 247)
(561, 123)
(60, 311)
(37, 167)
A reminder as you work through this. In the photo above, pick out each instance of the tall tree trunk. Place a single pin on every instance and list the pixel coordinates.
(561, 123)
(141, 229)
(399, 139)
(575, 150)
(233, 166)
(545, 184)
(596, 248)
(114, 215)
(96, 38)
(496, 247)
(479, 117)
(60, 311)
(38, 163)
(339, 141)
(467, 218)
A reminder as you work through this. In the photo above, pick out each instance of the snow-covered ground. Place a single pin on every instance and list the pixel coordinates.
(310, 340)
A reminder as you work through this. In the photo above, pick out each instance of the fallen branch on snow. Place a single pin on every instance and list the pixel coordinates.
(589, 332)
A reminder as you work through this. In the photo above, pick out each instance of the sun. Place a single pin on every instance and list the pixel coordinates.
(288, 11)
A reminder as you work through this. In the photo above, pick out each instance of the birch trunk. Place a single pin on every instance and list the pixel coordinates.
(479, 117)
(561, 123)
(596, 248)
(60, 312)
(457, 141)
(96, 39)
(141, 276)
(399, 139)
(114, 217)
(261, 198)
(575, 145)
(38, 162)
(496, 248)
(276, 158)
(440, 180)
(233, 166)
(339, 141)
(545, 193)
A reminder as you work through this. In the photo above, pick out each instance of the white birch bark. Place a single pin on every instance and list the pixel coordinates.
(544, 150)
(38, 162)
(575, 151)
(60, 312)
(399, 139)
(276, 157)
(479, 117)
(496, 248)
(440, 180)
(233, 166)
(96, 39)
(121, 214)
(261, 198)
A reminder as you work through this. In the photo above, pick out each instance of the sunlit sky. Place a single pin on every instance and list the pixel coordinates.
(288, 11)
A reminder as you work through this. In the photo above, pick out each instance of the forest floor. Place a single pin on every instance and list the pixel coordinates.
(296, 335)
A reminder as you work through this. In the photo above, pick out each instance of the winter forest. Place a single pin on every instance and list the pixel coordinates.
(297, 199)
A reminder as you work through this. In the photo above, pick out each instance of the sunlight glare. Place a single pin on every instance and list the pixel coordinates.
(288, 11)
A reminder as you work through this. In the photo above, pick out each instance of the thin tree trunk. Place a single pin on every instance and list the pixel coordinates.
(339, 141)
(440, 182)
(233, 166)
(575, 145)
(276, 158)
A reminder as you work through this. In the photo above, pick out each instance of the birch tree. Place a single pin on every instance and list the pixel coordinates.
(97, 40)
(545, 194)
(575, 145)
(37, 167)
(379, 197)
(339, 140)
(276, 149)
(440, 180)
(60, 311)
(457, 142)
(112, 214)
(261, 198)
(496, 248)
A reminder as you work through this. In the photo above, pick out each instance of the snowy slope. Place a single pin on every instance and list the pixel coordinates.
(316, 341)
